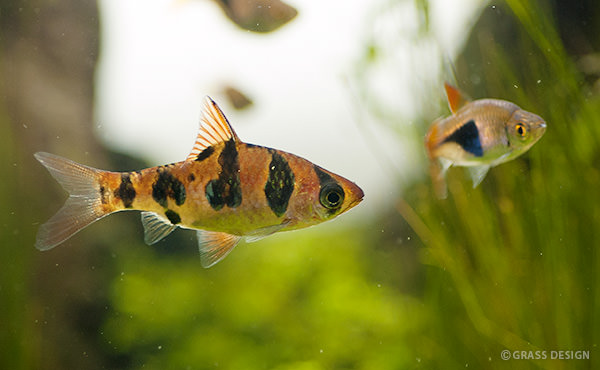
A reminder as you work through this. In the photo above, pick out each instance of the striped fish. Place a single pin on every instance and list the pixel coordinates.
(478, 135)
(225, 189)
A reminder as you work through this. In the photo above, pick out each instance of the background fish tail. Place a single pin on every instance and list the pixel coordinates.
(438, 177)
(83, 207)
(432, 139)
(437, 170)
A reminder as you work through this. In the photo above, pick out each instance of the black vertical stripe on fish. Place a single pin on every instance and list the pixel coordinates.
(103, 195)
(226, 189)
(205, 153)
(214, 194)
(125, 191)
(280, 184)
(324, 177)
(168, 186)
(467, 136)
(173, 216)
(248, 145)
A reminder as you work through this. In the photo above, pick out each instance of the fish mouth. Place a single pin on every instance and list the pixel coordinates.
(354, 203)
(541, 129)
(357, 195)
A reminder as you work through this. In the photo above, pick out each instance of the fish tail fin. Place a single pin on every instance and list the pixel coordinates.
(438, 178)
(437, 168)
(432, 139)
(83, 206)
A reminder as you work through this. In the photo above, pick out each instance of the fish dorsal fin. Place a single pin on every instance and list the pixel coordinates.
(214, 246)
(155, 227)
(214, 129)
(456, 99)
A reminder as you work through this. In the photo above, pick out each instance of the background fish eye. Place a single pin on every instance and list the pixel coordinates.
(521, 129)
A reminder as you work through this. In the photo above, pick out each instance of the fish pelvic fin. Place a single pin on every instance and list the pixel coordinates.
(83, 206)
(214, 246)
(214, 129)
(478, 173)
(261, 233)
(456, 99)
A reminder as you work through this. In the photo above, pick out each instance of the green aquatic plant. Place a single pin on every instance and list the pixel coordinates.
(514, 263)
(509, 266)
(279, 305)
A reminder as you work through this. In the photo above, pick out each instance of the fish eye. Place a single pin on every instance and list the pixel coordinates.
(331, 196)
(521, 130)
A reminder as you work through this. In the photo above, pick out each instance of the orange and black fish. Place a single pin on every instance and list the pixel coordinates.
(225, 189)
(478, 135)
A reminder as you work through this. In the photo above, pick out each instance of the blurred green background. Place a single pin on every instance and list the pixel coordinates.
(512, 265)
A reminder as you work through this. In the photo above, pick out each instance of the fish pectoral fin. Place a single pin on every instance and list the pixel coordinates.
(214, 246)
(155, 227)
(263, 232)
(214, 129)
(478, 174)
(446, 164)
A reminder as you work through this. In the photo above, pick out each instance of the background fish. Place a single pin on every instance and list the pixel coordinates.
(478, 135)
(226, 189)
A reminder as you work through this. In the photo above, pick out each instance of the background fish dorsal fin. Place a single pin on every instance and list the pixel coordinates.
(214, 129)
(456, 98)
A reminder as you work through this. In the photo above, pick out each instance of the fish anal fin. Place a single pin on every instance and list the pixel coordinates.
(83, 206)
(214, 246)
(155, 227)
(263, 232)
(214, 129)
(456, 99)
(478, 174)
